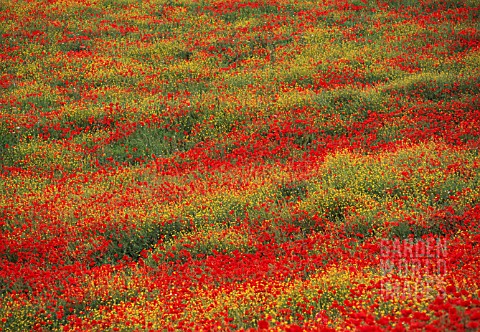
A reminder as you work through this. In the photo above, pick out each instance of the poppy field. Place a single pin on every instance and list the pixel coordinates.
(263, 165)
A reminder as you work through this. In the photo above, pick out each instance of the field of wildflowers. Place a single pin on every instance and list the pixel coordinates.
(234, 165)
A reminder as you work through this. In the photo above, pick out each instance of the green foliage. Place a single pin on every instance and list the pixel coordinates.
(144, 142)
(8, 139)
(293, 190)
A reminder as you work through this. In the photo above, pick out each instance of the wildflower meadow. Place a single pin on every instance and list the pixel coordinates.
(239, 165)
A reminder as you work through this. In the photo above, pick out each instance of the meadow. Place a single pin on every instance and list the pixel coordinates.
(263, 165)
